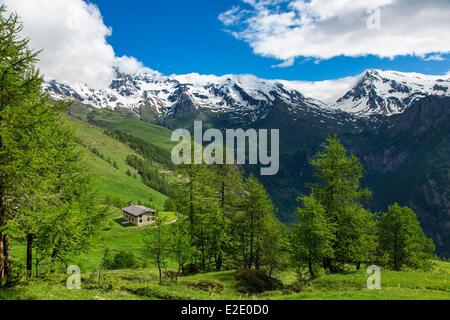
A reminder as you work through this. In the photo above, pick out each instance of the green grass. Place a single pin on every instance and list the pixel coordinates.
(108, 180)
(154, 134)
(143, 284)
(116, 237)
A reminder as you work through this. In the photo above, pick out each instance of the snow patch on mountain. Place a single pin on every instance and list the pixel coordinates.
(390, 92)
(374, 92)
(229, 92)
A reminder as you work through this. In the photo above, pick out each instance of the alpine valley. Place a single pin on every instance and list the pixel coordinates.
(398, 124)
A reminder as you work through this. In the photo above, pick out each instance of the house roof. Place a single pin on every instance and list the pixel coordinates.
(137, 211)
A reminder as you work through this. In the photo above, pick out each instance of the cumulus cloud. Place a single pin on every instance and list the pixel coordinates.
(323, 29)
(73, 40)
(131, 65)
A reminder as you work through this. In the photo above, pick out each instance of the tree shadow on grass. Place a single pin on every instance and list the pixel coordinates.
(123, 223)
(16, 294)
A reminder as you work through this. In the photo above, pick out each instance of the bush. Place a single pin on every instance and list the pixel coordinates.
(190, 269)
(115, 201)
(255, 281)
(100, 281)
(297, 287)
(122, 260)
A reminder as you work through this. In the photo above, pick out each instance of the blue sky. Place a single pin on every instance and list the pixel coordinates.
(179, 36)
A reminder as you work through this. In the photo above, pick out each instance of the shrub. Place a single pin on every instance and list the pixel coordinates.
(121, 260)
(255, 281)
(100, 281)
(190, 269)
(297, 287)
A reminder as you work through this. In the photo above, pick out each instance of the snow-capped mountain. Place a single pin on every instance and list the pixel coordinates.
(375, 93)
(164, 94)
(389, 92)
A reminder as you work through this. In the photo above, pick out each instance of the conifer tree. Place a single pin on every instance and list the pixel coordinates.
(23, 116)
(41, 173)
(340, 194)
(312, 237)
(403, 243)
(257, 211)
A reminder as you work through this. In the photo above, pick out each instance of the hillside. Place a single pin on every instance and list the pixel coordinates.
(112, 184)
(110, 181)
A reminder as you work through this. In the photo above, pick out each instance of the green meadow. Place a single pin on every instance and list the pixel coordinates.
(143, 284)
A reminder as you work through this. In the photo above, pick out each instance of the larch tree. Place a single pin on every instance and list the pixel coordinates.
(312, 237)
(19, 93)
(403, 243)
(340, 194)
(44, 188)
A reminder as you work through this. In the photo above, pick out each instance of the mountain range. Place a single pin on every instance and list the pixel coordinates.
(398, 124)
(375, 92)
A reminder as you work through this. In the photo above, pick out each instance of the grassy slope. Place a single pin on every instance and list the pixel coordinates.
(142, 284)
(157, 135)
(117, 237)
(110, 181)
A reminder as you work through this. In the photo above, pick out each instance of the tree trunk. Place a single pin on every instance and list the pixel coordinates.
(251, 242)
(159, 270)
(311, 269)
(55, 253)
(219, 262)
(7, 256)
(330, 265)
(358, 266)
(191, 203)
(257, 256)
(36, 267)
(202, 247)
(2, 260)
(180, 269)
(30, 254)
(2, 223)
(396, 253)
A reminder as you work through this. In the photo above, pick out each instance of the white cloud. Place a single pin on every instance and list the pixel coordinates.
(131, 65)
(323, 29)
(435, 57)
(73, 38)
(197, 79)
(327, 91)
(285, 64)
(232, 16)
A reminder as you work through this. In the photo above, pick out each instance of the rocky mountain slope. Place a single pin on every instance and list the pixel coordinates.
(375, 93)
(389, 92)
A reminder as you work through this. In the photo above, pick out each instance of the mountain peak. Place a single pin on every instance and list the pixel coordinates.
(390, 92)
(377, 92)
(193, 91)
